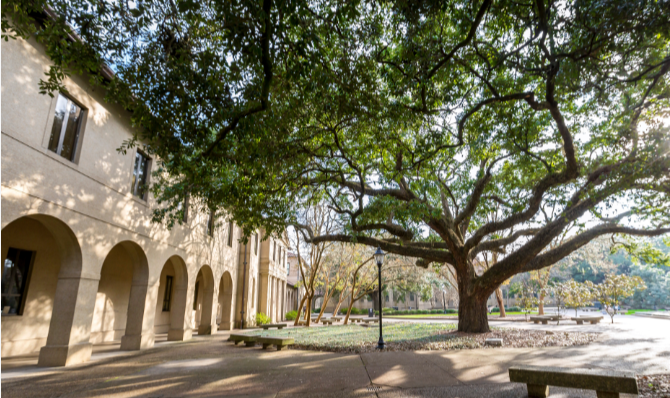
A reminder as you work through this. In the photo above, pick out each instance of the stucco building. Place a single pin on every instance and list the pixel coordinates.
(83, 262)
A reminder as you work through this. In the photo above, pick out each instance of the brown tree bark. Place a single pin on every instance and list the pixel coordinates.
(540, 306)
(302, 303)
(472, 312)
(501, 303)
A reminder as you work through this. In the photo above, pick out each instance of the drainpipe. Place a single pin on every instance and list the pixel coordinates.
(244, 284)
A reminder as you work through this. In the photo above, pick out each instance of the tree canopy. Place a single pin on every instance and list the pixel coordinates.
(412, 121)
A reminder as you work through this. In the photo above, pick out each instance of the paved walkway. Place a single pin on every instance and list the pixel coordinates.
(207, 366)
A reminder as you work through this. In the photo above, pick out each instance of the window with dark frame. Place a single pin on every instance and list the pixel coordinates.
(140, 175)
(183, 207)
(231, 232)
(210, 224)
(65, 131)
(195, 296)
(15, 279)
(167, 296)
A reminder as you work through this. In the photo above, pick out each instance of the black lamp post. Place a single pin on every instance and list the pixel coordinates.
(379, 258)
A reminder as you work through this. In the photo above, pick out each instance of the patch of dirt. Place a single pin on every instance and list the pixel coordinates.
(520, 338)
(654, 386)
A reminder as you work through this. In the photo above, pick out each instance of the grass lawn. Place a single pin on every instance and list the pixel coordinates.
(418, 316)
(631, 312)
(355, 338)
(408, 336)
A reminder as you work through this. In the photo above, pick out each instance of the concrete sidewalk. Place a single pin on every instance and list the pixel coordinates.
(207, 366)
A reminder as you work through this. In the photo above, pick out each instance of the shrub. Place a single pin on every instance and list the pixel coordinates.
(513, 309)
(316, 310)
(262, 319)
(387, 309)
(452, 311)
(291, 315)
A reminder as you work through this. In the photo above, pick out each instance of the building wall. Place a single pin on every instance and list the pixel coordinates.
(100, 264)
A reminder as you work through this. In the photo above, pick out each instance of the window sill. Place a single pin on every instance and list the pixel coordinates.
(139, 200)
(59, 158)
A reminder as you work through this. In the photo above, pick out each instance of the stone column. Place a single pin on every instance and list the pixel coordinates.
(180, 324)
(264, 296)
(68, 341)
(208, 315)
(141, 313)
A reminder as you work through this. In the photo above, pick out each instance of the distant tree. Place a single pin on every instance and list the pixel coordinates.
(614, 289)
(527, 300)
(578, 295)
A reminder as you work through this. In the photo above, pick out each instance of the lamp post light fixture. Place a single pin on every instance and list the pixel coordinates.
(379, 258)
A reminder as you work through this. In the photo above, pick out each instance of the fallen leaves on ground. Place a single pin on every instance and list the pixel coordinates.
(654, 386)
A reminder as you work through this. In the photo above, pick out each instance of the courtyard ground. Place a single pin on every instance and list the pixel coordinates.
(207, 366)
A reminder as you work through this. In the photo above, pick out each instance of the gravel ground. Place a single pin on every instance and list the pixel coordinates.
(421, 336)
(656, 386)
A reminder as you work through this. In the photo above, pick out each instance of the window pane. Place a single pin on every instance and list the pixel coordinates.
(15, 274)
(61, 109)
(140, 175)
(71, 132)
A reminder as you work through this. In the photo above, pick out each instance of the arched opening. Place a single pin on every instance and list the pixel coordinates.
(225, 312)
(171, 315)
(121, 301)
(41, 281)
(203, 300)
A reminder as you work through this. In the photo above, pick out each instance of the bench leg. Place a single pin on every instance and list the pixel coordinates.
(580, 322)
(236, 342)
(536, 322)
(250, 343)
(266, 345)
(607, 394)
(280, 328)
(544, 322)
(281, 347)
(537, 391)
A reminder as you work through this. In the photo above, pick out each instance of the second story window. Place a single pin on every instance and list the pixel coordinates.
(231, 231)
(210, 224)
(140, 174)
(65, 131)
(183, 207)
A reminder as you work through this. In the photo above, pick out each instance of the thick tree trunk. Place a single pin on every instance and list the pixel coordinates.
(501, 303)
(540, 306)
(472, 314)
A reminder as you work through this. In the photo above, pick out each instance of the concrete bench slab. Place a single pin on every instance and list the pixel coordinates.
(273, 325)
(248, 340)
(370, 320)
(496, 342)
(541, 318)
(336, 318)
(326, 321)
(280, 342)
(592, 319)
(607, 383)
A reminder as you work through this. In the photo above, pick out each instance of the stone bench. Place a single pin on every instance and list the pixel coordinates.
(237, 338)
(280, 341)
(581, 319)
(336, 318)
(356, 320)
(370, 320)
(541, 318)
(327, 321)
(607, 383)
(302, 323)
(273, 325)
